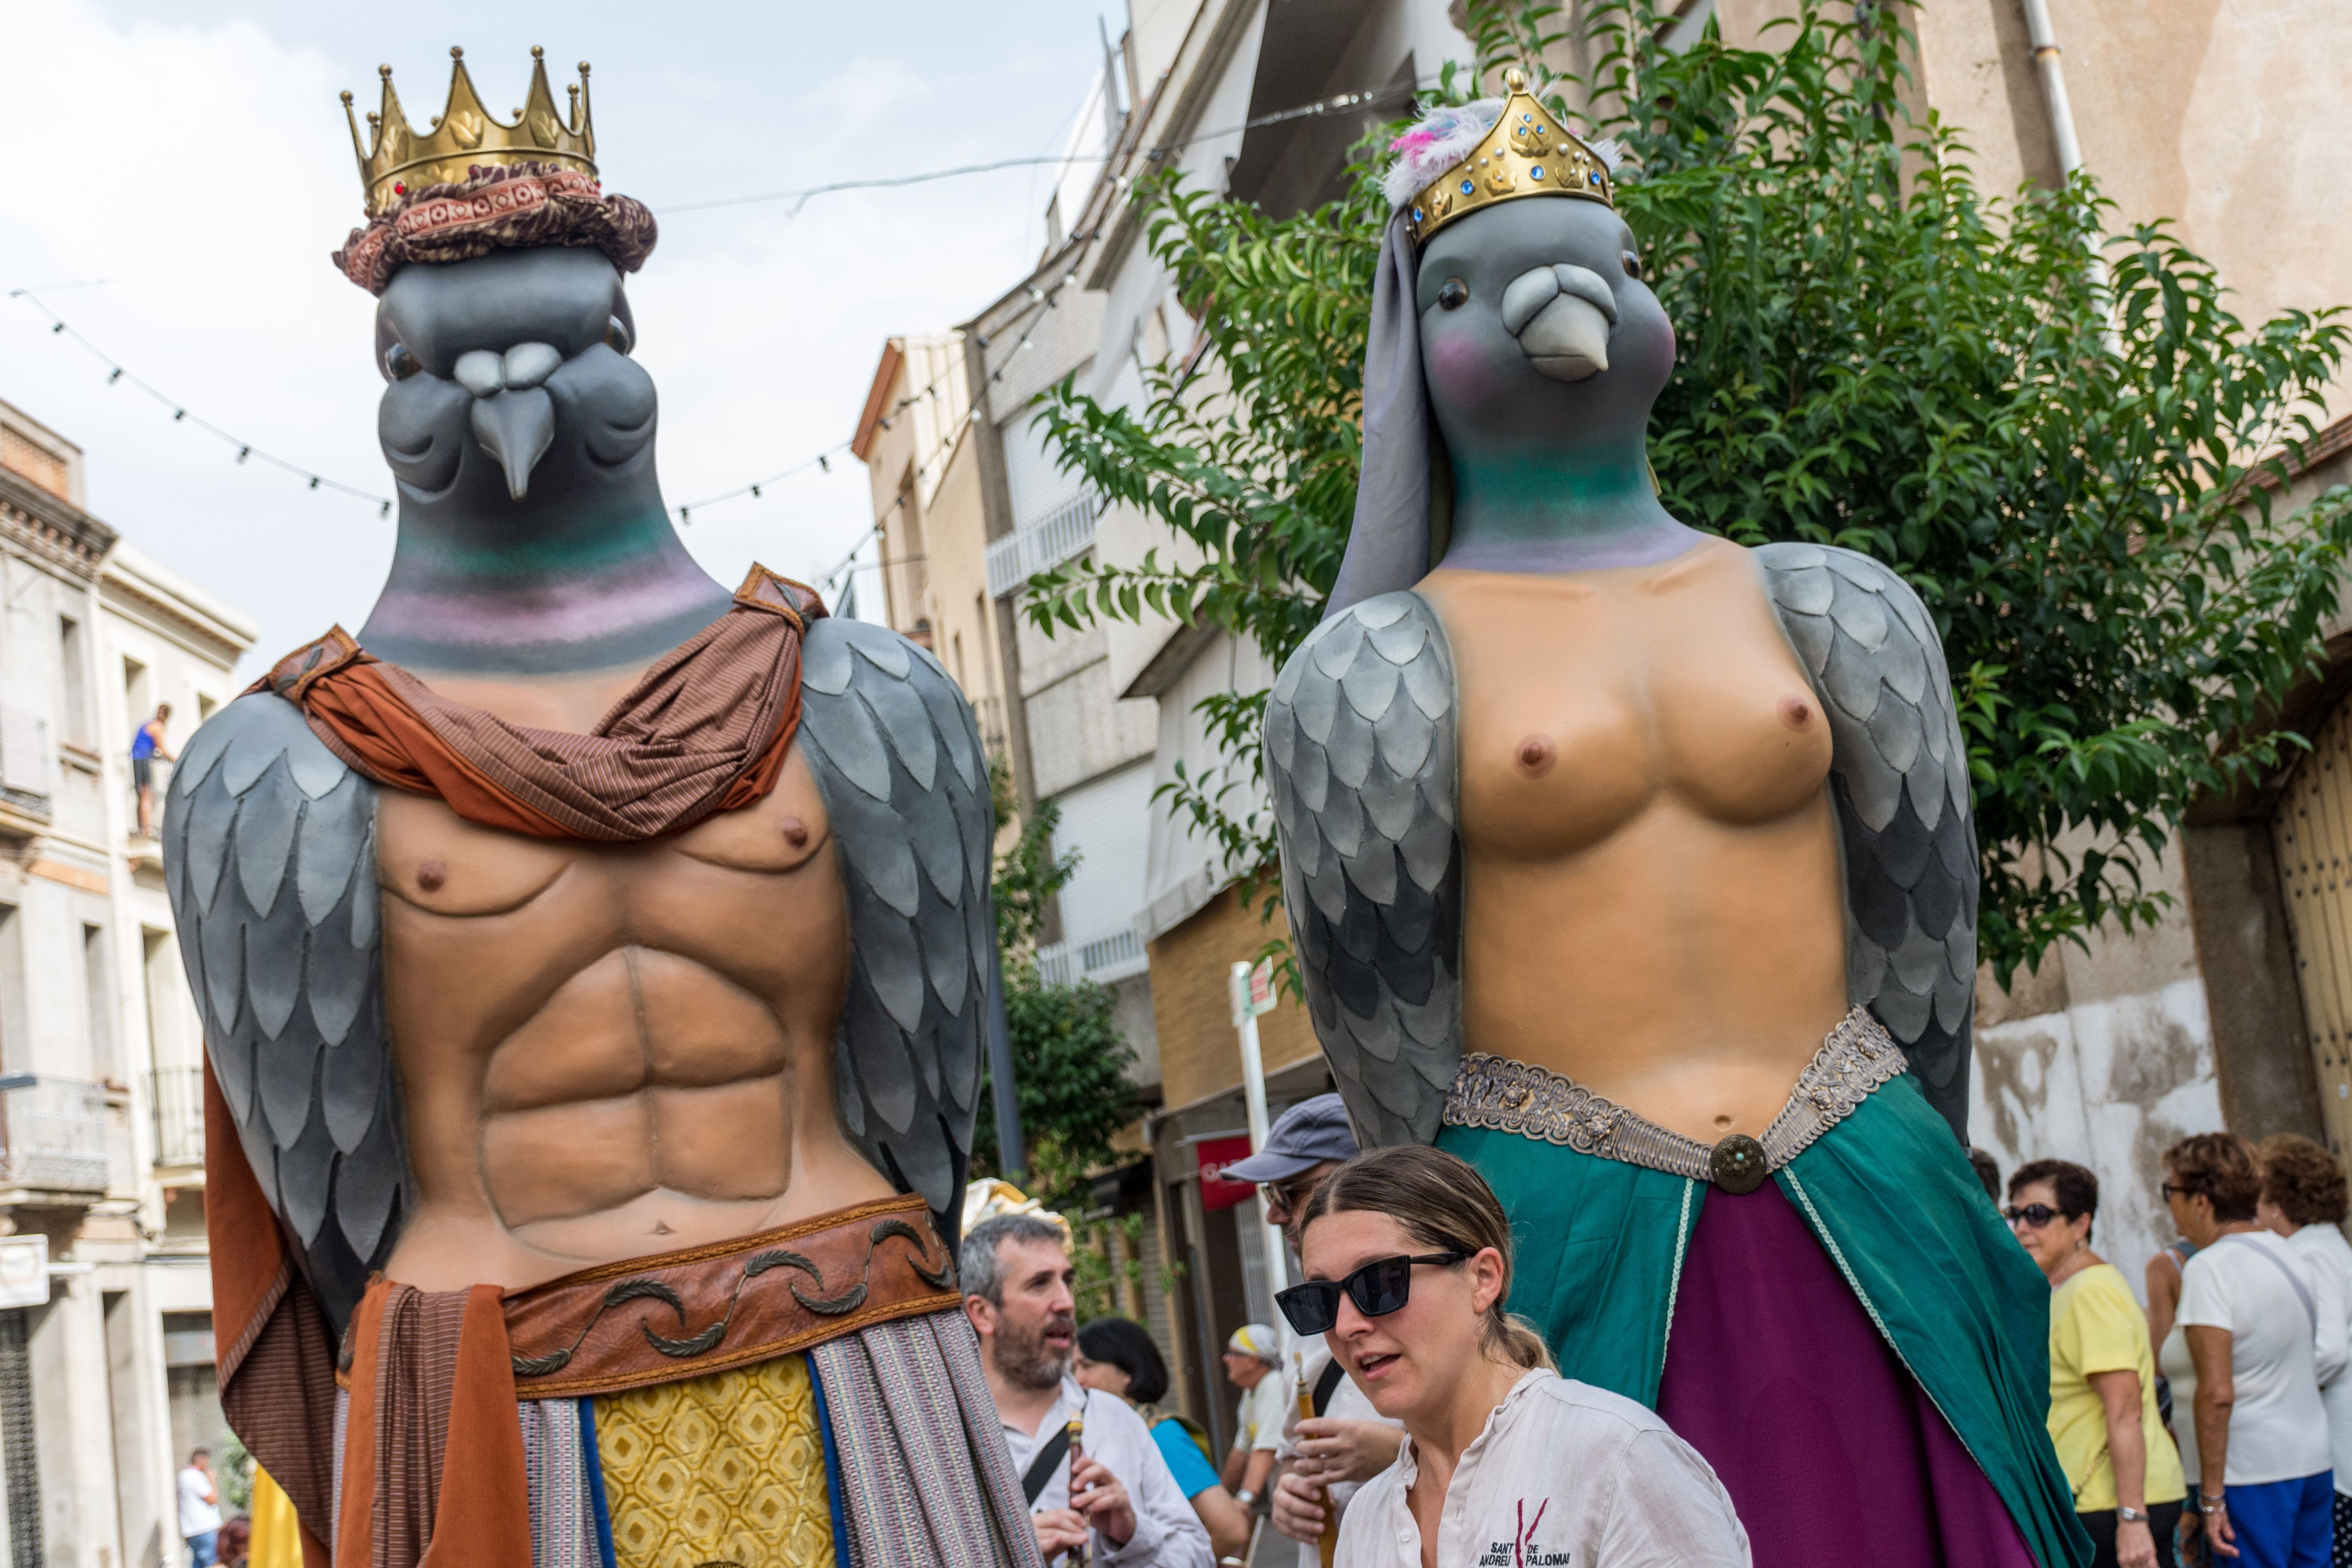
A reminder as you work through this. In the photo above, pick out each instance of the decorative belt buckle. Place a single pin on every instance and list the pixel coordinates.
(1737, 1165)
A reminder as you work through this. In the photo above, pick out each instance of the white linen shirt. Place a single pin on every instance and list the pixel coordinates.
(1563, 1476)
(2330, 1255)
(1168, 1533)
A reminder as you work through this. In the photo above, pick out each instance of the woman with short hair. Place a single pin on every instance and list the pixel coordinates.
(1117, 1356)
(2251, 1309)
(1408, 1262)
(2104, 1422)
(2304, 1200)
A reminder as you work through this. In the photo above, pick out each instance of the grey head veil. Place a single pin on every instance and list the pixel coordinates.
(1388, 543)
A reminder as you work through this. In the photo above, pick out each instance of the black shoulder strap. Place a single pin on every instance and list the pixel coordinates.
(1041, 1468)
(1328, 1385)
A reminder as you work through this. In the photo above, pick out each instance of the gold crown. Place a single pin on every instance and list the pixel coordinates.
(463, 135)
(1526, 154)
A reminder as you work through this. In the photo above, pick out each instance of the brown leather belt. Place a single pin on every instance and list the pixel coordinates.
(677, 1315)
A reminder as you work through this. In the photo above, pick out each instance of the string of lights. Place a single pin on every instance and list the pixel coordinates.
(247, 450)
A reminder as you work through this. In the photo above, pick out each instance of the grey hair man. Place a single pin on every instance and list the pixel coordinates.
(1111, 1490)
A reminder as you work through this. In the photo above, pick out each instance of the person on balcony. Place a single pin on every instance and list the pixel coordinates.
(145, 747)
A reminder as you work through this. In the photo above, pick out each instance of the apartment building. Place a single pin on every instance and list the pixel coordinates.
(106, 1345)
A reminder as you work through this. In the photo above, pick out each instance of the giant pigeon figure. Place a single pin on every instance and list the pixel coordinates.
(593, 966)
(1637, 868)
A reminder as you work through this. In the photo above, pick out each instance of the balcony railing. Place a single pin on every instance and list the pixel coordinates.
(52, 1133)
(1112, 956)
(178, 1096)
(1066, 530)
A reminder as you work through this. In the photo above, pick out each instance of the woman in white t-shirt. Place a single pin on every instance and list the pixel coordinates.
(2251, 1312)
(1408, 1260)
(2303, 1200)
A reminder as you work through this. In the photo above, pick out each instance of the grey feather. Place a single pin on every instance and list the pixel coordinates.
(1364, 785)
(1899, 780)
(898, 759)
(269, 845)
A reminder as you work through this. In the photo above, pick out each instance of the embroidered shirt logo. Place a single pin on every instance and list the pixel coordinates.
(1522, 1550)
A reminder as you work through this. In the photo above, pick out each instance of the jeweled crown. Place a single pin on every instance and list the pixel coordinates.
(464, 134)
(1526, 154)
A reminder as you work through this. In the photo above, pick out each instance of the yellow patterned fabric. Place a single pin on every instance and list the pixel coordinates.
(723, 1470)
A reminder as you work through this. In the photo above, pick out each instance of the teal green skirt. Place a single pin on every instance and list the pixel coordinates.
(1891, 1197)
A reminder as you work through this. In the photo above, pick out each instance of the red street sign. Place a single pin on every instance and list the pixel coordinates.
(1216, 1154)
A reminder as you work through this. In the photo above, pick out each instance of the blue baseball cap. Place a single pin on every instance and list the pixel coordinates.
(1302, 1138)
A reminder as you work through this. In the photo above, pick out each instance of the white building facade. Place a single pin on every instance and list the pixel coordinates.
(106, 1347)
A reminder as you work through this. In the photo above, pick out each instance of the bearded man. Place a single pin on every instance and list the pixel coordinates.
(1111, 1489)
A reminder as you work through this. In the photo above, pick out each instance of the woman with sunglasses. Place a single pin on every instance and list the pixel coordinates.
(2104, 1424)
(1408, 1260)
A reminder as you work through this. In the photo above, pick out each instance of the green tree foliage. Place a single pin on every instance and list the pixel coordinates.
(1069, 1062)
(1872, 353)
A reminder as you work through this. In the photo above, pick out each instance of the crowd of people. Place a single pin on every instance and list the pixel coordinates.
(2216, 1425)
(2213, 1425)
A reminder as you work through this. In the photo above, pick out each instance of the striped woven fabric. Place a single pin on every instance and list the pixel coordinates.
(563, 1509)
(924, 1468)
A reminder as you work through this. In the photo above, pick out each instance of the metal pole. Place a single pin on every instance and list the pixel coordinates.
(2047, 65)
(1277, 1271)
(1011, 1153)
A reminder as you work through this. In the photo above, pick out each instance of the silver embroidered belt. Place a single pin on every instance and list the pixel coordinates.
(1508, 1096)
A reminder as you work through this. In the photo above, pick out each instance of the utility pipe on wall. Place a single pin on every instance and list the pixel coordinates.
(2070, 150)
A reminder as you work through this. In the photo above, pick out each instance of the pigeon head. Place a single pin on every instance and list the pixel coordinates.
(510, 388)
(1537, 329)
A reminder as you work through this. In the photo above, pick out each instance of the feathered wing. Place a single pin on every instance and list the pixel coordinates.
(898, 762)
(269, 856)
(1900, 777)
(1360, 760)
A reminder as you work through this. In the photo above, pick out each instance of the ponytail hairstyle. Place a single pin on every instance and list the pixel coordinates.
(1445, 1205)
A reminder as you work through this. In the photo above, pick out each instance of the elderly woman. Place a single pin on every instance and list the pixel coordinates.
(2104, 1422)
(2265, 1334)
(2304, 1200)
(1408, 1262)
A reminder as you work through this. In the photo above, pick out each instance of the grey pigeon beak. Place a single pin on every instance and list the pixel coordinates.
(517, 428)
(1562, 316)
(513, 419)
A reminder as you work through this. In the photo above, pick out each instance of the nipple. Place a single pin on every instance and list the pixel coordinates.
(1795, 712)
(430, 875)
(1535, 755)
(795, 831)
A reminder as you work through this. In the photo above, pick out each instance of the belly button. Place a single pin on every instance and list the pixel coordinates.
(1722, 1123)
(1535, 755)
(795, 831)
(1795, 712)
(430, 875)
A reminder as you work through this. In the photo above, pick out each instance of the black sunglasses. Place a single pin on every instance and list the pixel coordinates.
(2035, 1214)
(1378, 1288)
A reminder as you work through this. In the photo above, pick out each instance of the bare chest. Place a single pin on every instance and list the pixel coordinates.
(1585, 700)
(733, 930)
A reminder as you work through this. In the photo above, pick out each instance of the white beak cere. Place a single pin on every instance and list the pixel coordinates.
(486, 372)
(1562, 316)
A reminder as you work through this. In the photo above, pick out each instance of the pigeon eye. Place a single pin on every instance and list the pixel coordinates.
(1452, 294)
(1633, 266)
(399, 365)
(617, 334)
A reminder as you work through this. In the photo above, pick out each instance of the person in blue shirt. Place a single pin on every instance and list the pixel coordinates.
(145, 747)
(1117, 1356)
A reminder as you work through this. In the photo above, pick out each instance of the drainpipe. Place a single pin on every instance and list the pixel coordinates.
(2070, 150)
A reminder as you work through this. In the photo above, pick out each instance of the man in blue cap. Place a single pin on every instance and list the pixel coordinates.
(1348, 1442)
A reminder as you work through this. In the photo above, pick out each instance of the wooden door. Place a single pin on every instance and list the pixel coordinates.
(2312, 834)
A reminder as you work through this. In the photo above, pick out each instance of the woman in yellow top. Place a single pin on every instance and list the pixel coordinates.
(2118, 1456)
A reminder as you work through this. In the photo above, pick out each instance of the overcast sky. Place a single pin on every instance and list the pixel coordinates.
(193, 153)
